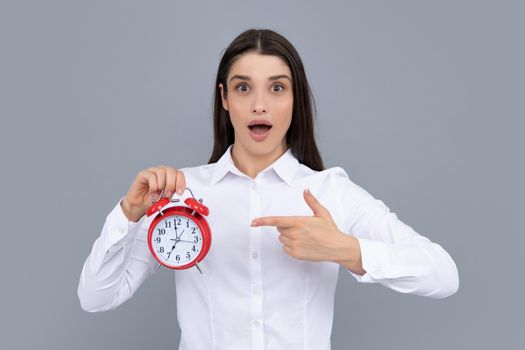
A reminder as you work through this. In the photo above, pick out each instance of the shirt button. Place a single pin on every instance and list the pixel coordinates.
(254, 255)
(256, 323)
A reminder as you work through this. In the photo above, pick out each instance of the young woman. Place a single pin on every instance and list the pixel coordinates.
(281, 223)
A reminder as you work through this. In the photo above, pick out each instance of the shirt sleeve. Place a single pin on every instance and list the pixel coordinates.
(393, 253)
(119, 262)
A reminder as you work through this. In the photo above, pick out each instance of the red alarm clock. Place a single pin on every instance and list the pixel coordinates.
(179, 237)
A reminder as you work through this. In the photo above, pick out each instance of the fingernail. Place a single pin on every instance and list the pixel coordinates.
(254, 222)
(179, 191)
(168, 193)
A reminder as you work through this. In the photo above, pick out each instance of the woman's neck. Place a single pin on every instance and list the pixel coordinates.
(252, 164)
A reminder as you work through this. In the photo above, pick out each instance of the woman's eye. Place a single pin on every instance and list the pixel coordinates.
(279, 88)
(242, 88)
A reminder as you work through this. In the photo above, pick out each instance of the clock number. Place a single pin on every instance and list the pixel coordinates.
(188, 255)
(193, 248)
(187, 223)
(161, 231)
(161, 250)
(168, 224)
(157, 239)
(193, 230)
(177, 257)
(196, 239)
(178, 221)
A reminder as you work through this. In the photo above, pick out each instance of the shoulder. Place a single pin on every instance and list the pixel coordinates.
(307, 173)
(330, 176)
(336, 181)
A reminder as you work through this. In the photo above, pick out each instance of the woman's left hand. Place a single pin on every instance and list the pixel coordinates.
(314, 238)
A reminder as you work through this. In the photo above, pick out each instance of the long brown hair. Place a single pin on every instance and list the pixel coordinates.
(300, 135)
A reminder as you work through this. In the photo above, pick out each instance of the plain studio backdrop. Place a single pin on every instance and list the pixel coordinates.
(420, 102)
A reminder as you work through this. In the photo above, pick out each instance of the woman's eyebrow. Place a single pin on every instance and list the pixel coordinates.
(274, 77)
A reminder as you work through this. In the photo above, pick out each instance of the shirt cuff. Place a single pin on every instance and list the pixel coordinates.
(376, 259)
(119, 229)
(118, 233)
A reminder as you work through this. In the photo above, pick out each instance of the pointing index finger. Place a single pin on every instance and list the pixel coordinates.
(280, 221)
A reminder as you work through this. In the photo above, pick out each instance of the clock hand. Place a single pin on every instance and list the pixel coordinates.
(177, 235)
(181, 240)
(176, 241)
(177, 238)
(169, 254)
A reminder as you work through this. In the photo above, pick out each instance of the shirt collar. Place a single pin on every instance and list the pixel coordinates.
(285, 166)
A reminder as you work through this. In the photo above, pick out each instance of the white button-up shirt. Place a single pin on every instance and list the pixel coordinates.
(251, 294)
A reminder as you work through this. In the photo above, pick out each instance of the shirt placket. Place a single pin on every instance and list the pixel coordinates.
(255, 270)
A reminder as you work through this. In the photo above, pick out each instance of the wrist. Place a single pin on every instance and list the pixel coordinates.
(349, 254)
(133, 213)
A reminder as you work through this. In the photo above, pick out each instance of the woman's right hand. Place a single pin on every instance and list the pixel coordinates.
(149, 182)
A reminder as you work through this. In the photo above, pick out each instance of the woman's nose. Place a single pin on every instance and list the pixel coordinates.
(259, 109)
(259, 105)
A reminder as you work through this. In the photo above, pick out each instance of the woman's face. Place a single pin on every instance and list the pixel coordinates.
(260, 103)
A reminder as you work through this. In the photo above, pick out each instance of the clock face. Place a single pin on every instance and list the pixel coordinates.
(176, 240)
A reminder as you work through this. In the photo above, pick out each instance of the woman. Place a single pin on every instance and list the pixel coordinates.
(269, 279)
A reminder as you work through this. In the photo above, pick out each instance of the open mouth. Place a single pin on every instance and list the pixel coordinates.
(259, 128)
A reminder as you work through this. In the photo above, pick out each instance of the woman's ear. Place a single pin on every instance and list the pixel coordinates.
(224, 101)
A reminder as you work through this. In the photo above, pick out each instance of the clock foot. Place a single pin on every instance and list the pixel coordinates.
(157, 268)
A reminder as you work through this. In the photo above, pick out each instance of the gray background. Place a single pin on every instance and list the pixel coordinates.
(420, 102)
